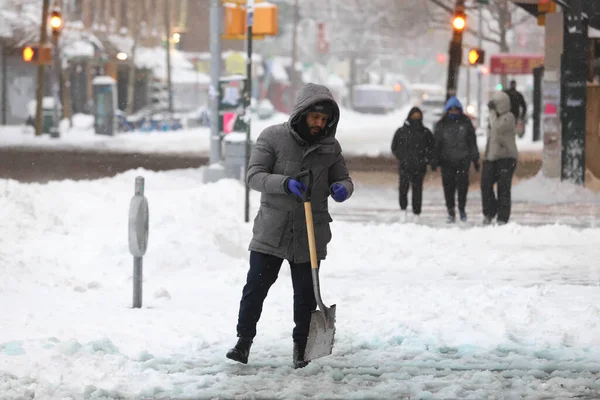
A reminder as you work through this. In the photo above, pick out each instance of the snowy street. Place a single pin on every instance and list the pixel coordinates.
(424, 311)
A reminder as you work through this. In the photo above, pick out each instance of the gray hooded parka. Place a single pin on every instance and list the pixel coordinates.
(279, 154)
(501, 142)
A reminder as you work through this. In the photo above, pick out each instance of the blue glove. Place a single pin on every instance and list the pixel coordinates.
(296, 187)
(339, 192)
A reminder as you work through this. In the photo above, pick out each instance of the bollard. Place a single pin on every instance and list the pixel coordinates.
(138, 237)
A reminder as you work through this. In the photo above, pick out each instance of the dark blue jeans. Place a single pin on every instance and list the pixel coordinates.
(263, 272)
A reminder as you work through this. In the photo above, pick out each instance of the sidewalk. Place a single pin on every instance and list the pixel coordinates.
(531, 206)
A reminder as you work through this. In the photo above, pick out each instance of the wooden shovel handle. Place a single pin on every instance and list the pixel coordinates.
(310, 230)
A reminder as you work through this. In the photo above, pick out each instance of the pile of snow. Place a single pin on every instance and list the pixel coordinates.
(541, 189)
(481, 313)
(83, 121)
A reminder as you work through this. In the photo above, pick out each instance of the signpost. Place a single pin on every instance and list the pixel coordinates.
(248, 97)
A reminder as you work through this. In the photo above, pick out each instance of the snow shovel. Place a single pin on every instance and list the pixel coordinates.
(322, 321)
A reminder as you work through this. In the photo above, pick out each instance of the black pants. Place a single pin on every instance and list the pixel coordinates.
(415, 179)
(500, 172)
(455, 179)
(262, 274)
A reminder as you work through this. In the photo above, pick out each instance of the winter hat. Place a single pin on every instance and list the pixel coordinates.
(323, 107)
(453, 102)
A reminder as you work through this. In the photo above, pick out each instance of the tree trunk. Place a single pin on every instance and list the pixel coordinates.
(131, 79)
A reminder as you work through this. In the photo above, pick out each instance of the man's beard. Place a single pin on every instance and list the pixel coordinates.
(316, 131)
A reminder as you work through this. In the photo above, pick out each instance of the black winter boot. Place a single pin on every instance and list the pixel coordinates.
(299, 349)
(240, 351)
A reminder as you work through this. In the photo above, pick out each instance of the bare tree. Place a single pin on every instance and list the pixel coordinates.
(500, 17)
(368, 31)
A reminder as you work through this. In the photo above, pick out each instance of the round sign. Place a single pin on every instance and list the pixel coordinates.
(138, 225)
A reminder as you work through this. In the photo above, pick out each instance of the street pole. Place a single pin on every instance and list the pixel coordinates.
(168, 29)
(468, 71)
(55, 129)
(455, 50)
(250, 23)
(39, 90)
(479, 72)
(295, 52)
(215, 75)
(573, 94)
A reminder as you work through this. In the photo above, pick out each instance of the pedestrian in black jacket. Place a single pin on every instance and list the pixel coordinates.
(518, 107)
(455, 150)
(413, 147)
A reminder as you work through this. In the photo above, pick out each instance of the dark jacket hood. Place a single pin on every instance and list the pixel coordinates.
(412, 110)
(309, 95)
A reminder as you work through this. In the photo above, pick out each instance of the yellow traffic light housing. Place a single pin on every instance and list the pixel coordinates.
(37, 55)
(56, 22)
(265, 20)
(476, 56)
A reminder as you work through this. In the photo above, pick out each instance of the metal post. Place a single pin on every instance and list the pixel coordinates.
(138, 265)
(39, 91)
(215, 74)
(168, 29)
(138, 237)
(455, 59)
(250, 15)
(538, 75)
(479, 72)
(468, 71)
(55, 129)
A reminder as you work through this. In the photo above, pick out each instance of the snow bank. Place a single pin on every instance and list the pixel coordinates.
(479, 313)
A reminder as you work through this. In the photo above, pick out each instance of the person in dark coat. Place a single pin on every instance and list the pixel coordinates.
(518, 107)
(455, 150)
(305, 142)
(413, 147)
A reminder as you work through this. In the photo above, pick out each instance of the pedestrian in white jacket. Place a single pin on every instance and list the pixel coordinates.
(500, 160)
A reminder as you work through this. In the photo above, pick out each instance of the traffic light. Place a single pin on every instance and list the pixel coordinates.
(29, 54)
(476, 56)
(35, 54)
(56, 22)
(459, 22)
(265, 20)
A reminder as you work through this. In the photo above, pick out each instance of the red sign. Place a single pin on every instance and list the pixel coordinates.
(515, 64)
(229, 119)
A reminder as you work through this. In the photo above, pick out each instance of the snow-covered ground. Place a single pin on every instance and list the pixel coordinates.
(423, 312)
(359, 134)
